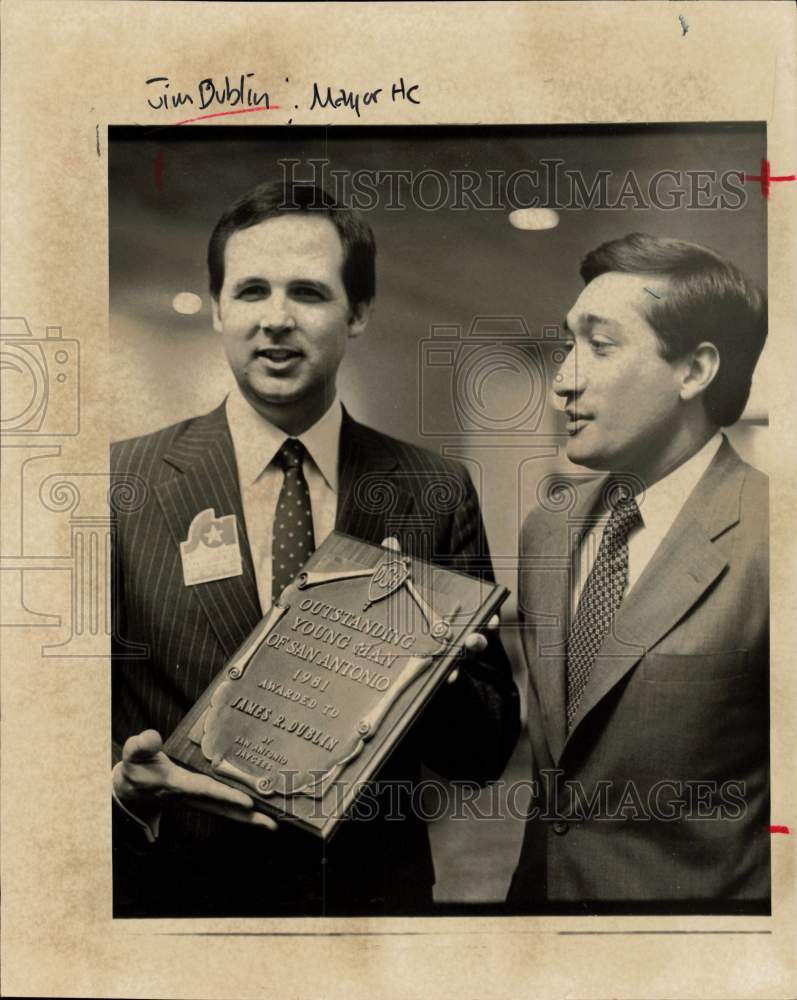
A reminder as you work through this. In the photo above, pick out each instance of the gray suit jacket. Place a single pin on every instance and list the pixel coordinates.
(659, 793)
(171, 640)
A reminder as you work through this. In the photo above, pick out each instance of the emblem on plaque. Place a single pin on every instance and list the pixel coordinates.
(388, 576)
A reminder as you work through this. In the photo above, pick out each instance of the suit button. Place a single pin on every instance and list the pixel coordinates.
(561, 827)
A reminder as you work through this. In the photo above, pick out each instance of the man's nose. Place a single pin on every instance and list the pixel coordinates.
(275, 315)
(569, 378)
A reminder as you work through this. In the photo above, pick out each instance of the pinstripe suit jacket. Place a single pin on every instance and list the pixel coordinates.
(171, 640)
(673, 724)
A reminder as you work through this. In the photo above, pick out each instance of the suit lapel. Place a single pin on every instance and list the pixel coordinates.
(207, 476)
(683, 567)
(550, 567)
(371, 493)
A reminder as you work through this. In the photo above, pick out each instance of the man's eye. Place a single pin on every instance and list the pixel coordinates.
(308, 293)
(601, 346)
(251, 292)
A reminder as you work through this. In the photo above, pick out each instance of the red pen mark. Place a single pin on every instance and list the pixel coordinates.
(766, 177)
(779, 829)
(221, 114)
(159, 170)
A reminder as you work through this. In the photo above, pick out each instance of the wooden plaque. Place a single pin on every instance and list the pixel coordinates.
(310, 706)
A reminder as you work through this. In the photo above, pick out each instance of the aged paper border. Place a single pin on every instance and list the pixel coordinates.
(72, 68)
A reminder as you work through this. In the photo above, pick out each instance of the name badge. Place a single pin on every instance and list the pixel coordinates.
(211, 551)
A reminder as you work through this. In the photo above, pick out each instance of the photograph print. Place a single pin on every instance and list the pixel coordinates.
(525, 359)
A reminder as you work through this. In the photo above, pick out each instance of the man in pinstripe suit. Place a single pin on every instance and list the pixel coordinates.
(292, 279)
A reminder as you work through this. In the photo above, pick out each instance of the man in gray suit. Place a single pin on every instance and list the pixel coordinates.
(292, 279)
(644, 599)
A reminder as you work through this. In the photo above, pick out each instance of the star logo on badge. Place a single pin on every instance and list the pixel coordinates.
(213, 536)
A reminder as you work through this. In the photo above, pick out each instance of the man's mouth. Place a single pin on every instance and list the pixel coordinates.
(279, 357)
(576, 421)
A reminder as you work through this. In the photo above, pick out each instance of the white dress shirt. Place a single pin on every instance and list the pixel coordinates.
(659, 506)
(256, 442)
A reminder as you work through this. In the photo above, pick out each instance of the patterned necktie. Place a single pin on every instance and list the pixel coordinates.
(599, 600)
(292, 536)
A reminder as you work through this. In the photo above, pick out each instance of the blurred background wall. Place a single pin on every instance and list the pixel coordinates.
(467, 309)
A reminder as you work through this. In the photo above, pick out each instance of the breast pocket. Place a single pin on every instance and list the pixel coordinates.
(703, 714)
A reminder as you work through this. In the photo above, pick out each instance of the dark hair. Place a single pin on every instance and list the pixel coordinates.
(277, 198)
(709, 300)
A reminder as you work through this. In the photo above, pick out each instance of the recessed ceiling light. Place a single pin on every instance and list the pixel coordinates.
(186, 303)
(534, 218)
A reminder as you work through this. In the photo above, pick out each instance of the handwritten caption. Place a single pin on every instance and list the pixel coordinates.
(243, 93)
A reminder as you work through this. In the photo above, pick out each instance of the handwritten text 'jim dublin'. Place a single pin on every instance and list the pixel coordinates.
(233, 93)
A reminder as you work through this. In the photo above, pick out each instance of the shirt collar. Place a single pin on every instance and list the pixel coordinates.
(256, 440)
(322, 441)
(662, 502)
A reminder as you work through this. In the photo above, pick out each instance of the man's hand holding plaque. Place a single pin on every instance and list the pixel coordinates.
(146, 780)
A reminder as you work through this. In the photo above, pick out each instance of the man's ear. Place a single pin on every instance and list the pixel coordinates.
(358, 318)
(702, 365)
(214, 306)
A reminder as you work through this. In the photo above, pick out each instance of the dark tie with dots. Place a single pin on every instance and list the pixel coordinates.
(599, 600)
(292, 537)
